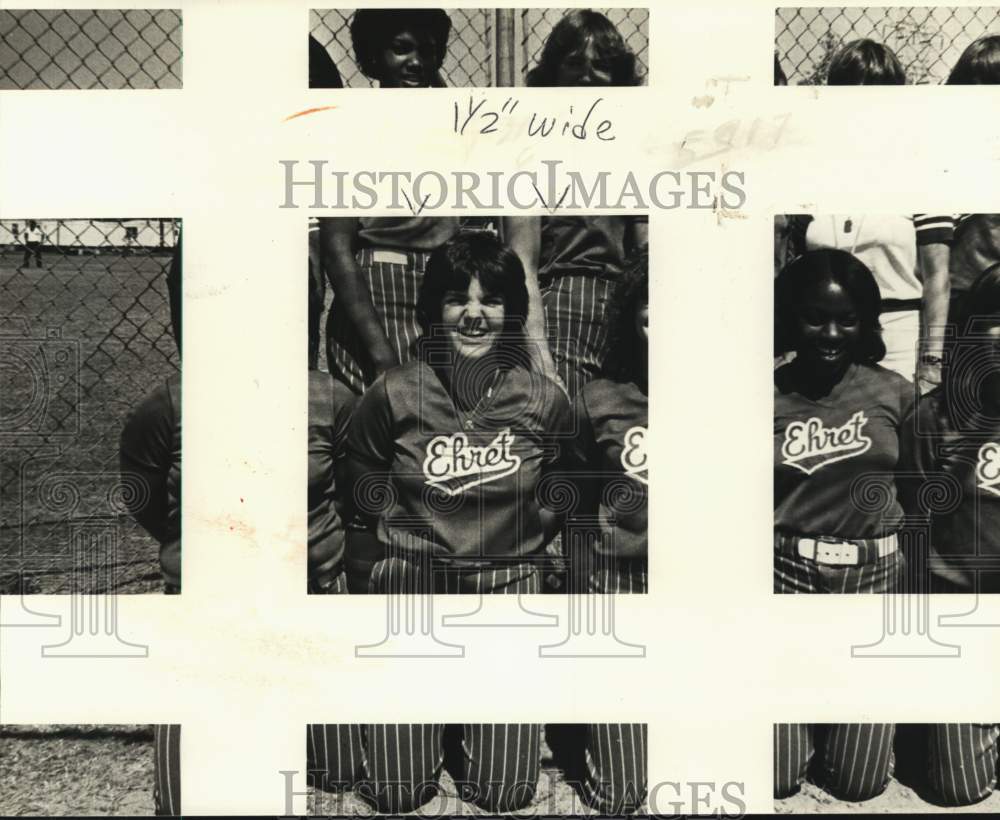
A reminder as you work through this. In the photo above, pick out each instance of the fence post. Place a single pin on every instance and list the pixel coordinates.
(506, 48)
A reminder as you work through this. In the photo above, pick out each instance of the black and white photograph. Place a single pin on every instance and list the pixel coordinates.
(883, 768)
(887, 403)
(873, 45)
(557, 769)
(117, 49)
(91, 403)
(468, 47)
(89, 770)
(483, 400)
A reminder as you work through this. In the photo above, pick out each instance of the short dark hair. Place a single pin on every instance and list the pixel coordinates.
(828, 265)
(865, 62)
(571, 34)
(482, 256)
(372, 29)
(979, 63)
(779, 73)
(624, 360)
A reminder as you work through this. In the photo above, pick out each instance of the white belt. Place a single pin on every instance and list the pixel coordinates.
(390, 257)
(844, 553)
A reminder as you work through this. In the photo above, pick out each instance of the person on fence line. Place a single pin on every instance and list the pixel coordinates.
(458, 440)
(962, 761)
(979, 63)
(910, 265)
(779, 73)
(865, 62)
(856, 759)
(837, 425)
(401, 48)
(609, 451)
(33, 239)
(584, 48)
(323, 71)
(953, 435)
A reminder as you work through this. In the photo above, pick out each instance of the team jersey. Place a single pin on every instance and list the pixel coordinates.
(940, 457)
(610, 451)
(406, 233)
(330, 404)
(585, 245)
(822, 447)
(463, 484)
(150, 450)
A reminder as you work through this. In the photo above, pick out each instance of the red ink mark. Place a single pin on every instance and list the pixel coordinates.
(309, 111)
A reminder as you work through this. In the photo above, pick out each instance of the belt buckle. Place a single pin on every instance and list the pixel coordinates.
(837, 553)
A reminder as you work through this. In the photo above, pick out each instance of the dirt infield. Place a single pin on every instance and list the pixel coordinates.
(897, 798)
(76, 770)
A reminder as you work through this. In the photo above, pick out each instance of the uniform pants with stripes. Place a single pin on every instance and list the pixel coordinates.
(962, 761)
(576, 313)
(856, 758)
(167, 769)
(615, 773)
(794, 574)
(396, 575)
(396, 767)
(393, 287)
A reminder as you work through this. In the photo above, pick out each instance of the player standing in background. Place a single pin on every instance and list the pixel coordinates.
(962, 763)
(458, 439)
(856, 758)
(610, 450)
(954, 433)
(32, 237)
(837, 420)
(401, 48)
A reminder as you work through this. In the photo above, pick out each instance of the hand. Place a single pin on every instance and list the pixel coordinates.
(928, 376)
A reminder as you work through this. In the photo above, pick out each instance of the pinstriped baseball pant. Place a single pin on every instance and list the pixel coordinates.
(800, 575)
(396, 767)
(615, 774)
(857, 758)
(396, 575)
(393, 288)
(576, 309)
(167, 769)
(962, 761)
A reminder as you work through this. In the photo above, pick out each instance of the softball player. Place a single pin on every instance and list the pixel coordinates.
(837, 421)
(609, 451)
(979, 63)
(954, 431)
(330, 404)
(323, 71)
(584, 48)
(375, 266)
(855, 764)
(963, 761)
(167, 769)
(458, 439)
(401, 48)
(865, 62)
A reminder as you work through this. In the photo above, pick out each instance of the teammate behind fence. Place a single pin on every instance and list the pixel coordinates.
(457, 440)
(865, 62)
(32, 237)
(979, 63)
(584, 48)
(401, 48)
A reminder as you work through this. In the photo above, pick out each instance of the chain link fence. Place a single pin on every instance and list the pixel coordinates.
(84, 336)
(471, 56)
(928, 41)
(115, 49)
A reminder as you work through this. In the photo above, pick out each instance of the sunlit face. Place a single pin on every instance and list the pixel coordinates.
(473, 320)
(642, 319)
(408, 61)
(829, 327)
(584, 67)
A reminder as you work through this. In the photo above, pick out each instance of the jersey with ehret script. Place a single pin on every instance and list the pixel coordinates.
(464, 486)
(330, 405)
(972, 459)
(610, 454)
(822, 447)
(150, 449)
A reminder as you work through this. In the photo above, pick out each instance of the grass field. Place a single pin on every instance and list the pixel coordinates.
(555, 796)
(82, 341)
(76, 770)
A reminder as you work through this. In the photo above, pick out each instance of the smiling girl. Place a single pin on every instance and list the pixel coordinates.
(458, 439)
(837, 424)
(401, 48)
